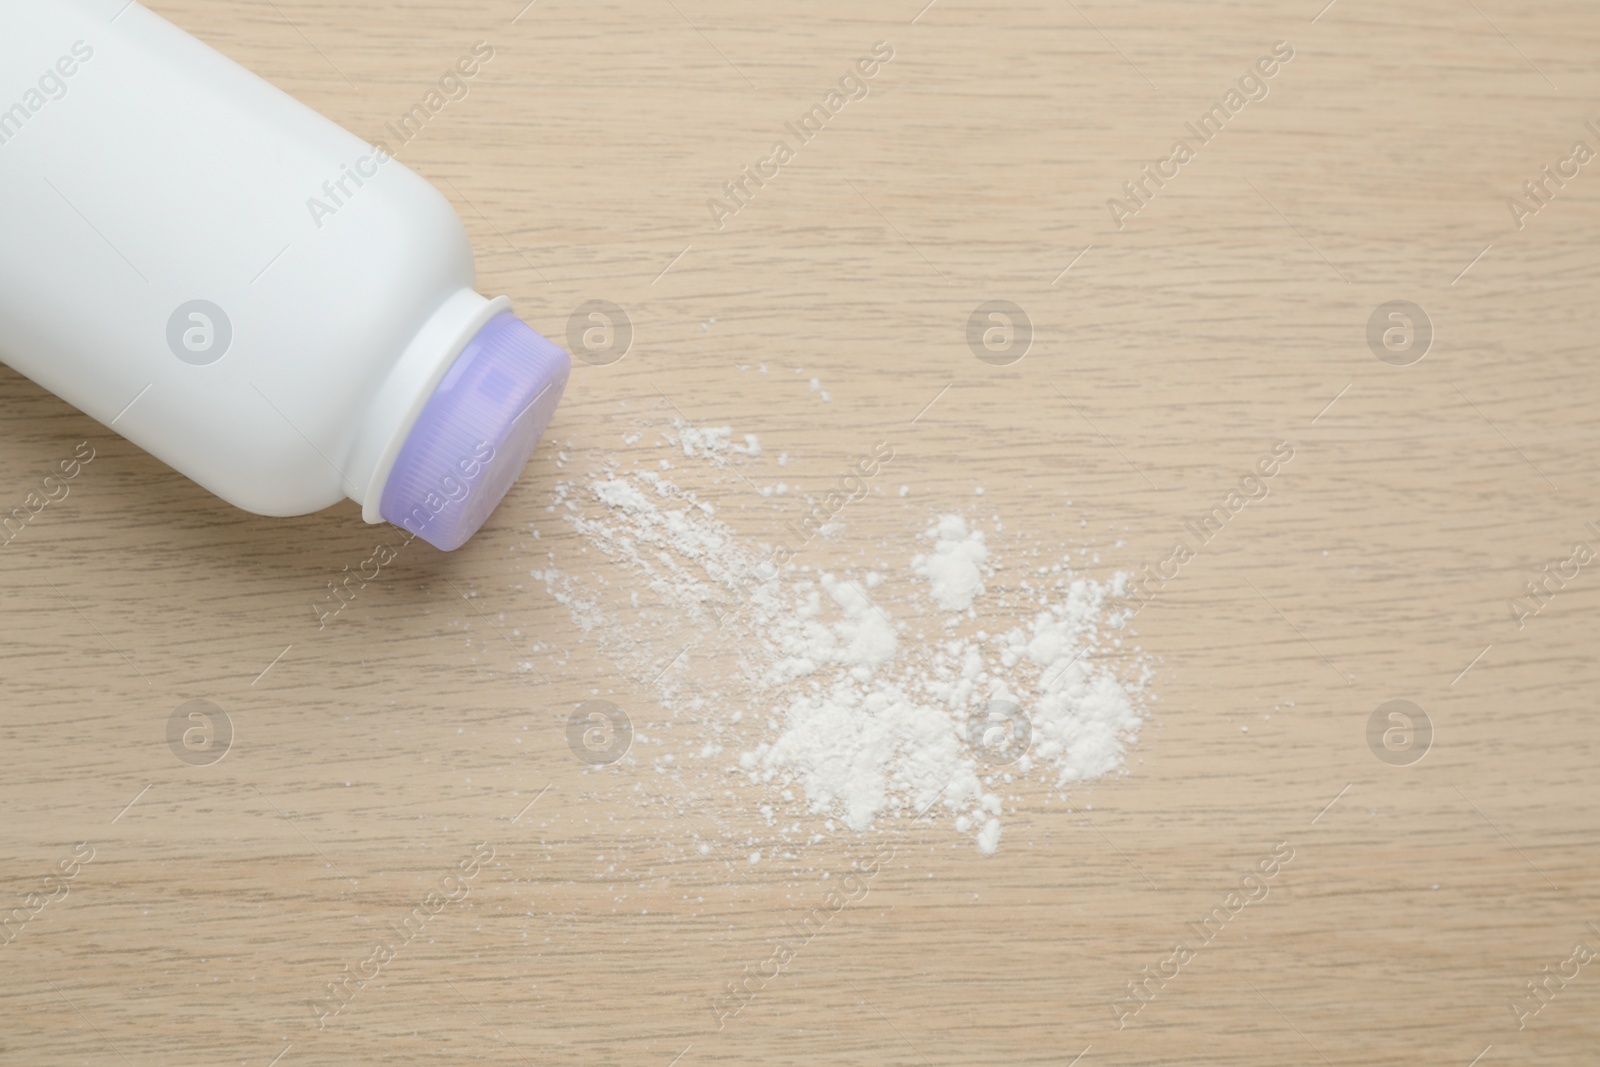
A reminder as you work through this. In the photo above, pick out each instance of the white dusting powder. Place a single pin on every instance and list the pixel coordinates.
(862, 704)
(954, 568)
(713, 442)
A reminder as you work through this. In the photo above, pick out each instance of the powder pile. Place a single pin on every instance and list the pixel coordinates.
(954, 568)
(798, 689)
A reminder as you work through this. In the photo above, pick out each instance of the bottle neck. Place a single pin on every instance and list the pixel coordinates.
(407, 389)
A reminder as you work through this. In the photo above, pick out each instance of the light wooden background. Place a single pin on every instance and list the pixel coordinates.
(373, 755)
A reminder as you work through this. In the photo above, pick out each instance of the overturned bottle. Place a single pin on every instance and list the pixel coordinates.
(262, 300)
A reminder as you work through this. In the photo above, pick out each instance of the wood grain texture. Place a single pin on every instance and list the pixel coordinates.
(372, 755)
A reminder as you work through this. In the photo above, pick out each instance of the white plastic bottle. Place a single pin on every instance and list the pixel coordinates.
(165, 268)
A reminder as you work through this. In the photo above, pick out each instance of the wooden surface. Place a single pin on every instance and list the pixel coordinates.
(371, 757)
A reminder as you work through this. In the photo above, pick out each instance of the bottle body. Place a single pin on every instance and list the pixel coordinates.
(237, 285)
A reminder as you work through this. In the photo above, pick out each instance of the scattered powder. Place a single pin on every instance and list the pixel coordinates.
(846, 695)
(953, 568)
(711, 442)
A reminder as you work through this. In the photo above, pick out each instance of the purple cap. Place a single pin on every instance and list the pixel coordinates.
(475, 433)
